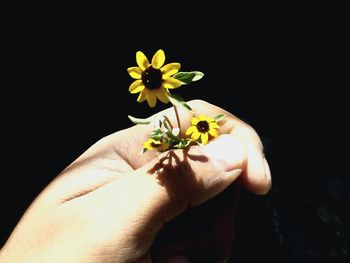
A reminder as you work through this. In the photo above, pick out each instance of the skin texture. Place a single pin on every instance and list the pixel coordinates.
(114, 204)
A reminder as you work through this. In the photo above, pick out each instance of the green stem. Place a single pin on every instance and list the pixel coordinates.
(177, 118)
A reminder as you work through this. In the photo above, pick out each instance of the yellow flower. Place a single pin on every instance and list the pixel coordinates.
(202, 127)
(153, 79)
(151, 144)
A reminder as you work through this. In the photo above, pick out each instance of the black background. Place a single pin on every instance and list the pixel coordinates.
(66, 86)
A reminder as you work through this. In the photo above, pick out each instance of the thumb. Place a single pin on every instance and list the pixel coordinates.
(181, 178)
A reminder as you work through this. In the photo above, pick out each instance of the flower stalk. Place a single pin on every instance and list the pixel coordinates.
(177, 118)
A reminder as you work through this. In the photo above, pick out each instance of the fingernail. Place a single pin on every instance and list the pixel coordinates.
(227, 151)
(177, 259)
(268, 172)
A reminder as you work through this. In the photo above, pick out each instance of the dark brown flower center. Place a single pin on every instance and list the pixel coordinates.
(152, 78)
(202, 126)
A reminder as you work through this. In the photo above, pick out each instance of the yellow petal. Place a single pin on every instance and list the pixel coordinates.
(149, 144)
(142, 60)
(195, 135)
(142, 96)
(151, 98)
(138, 89)
(163, 95)
(190, 130)
(204, 138)
(210, 119)
(158, 59)
(135, 72)
(171, 83)
(202, 117)
(170, 69)
(213, 125)
(194, 121)
(135, 85)
(213, 132)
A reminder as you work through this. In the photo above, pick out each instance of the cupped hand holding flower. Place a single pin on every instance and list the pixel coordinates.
(114, 205)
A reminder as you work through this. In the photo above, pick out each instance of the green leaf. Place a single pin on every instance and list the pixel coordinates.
(140, 121)
(177, 100)
(198, 75)
(172, 136)
(157, 135)
(186, 142)
(188, 77)
(219, 117)
(183, 143)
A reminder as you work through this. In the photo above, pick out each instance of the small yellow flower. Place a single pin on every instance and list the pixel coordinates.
(202, 127)
(151, 144)
(153, 79)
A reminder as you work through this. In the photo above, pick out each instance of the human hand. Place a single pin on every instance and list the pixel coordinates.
(112, 204)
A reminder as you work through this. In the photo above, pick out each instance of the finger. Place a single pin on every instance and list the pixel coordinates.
(256, 176)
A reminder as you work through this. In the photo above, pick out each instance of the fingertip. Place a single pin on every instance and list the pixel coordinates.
(257, 176)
